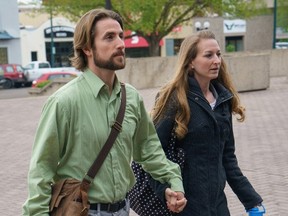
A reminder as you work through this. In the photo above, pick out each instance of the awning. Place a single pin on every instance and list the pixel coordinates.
(136, 41)
(5, 36)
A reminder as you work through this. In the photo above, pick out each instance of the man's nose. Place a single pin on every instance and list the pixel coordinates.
(120, 43)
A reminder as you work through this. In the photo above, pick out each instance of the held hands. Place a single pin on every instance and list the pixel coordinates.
(175, 200)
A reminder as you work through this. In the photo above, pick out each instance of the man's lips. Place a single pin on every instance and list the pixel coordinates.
(119, 54)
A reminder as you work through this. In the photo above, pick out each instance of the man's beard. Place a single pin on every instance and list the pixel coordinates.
(109, 64)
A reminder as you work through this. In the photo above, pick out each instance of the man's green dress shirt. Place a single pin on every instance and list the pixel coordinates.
(74, 125)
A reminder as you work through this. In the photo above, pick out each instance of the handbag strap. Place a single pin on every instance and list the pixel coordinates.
(116, 128)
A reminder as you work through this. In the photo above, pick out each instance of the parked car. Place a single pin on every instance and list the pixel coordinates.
(13, 75)
(47, 77)
(34, 69)
(2, 79)
(281, 45)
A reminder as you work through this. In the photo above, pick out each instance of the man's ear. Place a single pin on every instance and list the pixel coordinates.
(87, 51)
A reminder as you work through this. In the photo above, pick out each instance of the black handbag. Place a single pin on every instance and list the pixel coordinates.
(143, 199)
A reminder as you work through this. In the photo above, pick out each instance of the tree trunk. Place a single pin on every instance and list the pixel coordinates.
(154, 45)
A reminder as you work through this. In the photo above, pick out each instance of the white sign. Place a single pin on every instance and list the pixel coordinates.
(135, 38)
(234, 26)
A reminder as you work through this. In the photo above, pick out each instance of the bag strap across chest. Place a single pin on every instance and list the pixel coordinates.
(116, 128)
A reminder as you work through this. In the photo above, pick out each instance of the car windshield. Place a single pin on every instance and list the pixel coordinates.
(19, 68)
(30, 66)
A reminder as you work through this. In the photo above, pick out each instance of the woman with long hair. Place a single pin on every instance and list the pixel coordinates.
(199, 103)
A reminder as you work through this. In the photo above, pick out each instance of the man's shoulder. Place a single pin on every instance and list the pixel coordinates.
(131, 89)
(68, 91)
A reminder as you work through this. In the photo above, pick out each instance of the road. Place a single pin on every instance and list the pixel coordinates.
(14, 93)
(261, 145)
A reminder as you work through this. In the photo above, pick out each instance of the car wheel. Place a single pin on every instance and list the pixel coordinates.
(28, 84)
(17, 85)
(8, 84)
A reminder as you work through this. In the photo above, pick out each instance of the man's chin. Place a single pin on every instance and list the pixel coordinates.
(118, 66)
(121, 64)
(121, 67)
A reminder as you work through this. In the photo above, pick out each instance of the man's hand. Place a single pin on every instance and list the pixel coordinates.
(175, 200)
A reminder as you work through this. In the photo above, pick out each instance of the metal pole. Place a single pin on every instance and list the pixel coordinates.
(108, 4)
(52, 38)
(274, 24)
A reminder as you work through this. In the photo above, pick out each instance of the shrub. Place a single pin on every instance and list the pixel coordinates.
(230, 48)
(42, 84)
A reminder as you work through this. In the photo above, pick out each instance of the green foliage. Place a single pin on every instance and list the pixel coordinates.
(154, 19)
(42, 84)
(230, 48)
(282, 14)
(72, 9)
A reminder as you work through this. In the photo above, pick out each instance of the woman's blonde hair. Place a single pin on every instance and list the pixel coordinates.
(84, 34)
(177, 88)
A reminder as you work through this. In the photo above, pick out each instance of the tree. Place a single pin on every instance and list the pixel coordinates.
(282, 15)
(154, 19)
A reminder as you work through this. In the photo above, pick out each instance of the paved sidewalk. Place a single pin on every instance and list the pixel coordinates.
(262, 147)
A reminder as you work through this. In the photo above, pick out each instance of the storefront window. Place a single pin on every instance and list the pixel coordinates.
(234, 44)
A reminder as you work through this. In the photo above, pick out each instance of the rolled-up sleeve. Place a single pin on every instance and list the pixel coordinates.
(149, 153)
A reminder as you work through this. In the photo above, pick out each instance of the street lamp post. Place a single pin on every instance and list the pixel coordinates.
(52, 39)
(108, 4)
(274, 24)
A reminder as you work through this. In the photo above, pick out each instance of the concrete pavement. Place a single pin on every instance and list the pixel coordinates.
(262, 147)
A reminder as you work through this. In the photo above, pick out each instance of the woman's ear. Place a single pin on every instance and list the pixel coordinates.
(191, 65)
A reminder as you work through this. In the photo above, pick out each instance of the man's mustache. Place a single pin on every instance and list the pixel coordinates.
(119, 53)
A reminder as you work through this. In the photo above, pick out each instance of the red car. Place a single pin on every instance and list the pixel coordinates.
(13, 75)
(54, 75)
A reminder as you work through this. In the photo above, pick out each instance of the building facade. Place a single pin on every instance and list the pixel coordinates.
(233, 35)
(45, 43)
(10, 44)
(41, 42)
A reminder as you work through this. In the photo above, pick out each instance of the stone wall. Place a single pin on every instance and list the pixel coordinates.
(250, 71)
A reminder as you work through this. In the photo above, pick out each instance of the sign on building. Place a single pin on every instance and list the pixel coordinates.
(234, 26)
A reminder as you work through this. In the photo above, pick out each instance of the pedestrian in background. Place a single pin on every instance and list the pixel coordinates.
(76, 121)
(201, 100)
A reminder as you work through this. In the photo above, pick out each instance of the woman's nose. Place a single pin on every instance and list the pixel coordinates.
(217, 59)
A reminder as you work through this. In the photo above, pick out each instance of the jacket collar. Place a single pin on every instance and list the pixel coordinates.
(216, 86)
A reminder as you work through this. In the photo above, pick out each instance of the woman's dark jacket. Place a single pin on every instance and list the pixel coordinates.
(209, 155)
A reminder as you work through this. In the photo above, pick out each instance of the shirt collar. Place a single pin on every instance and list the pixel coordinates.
(96, 84)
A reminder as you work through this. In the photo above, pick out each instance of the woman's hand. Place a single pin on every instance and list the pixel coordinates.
(176, 201)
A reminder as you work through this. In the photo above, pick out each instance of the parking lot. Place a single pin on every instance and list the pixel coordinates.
(261, 141)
